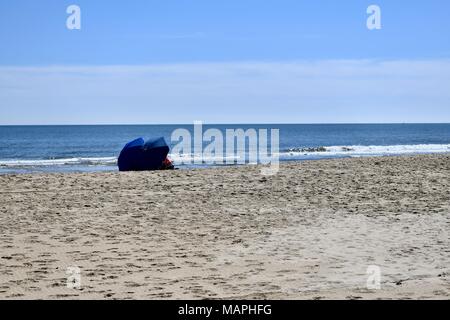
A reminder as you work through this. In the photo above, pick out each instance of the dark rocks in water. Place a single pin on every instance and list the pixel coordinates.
(347, 149)
(318, 149)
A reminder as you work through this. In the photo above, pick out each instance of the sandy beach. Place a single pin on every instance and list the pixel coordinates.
(309, 232)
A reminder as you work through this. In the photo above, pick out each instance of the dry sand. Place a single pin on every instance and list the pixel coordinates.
(310, 232)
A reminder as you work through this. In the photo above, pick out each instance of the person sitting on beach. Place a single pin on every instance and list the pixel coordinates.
(167, 164)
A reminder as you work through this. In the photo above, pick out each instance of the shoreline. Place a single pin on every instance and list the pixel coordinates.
(108, 168)
(309, 232)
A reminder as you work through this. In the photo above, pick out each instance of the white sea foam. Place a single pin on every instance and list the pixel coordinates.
(59, 162)
(330, 152)
(198, 158)
(360, 151)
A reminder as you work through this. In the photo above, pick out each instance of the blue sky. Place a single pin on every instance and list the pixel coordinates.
(224, 61)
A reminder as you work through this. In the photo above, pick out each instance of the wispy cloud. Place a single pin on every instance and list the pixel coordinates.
(301, 91)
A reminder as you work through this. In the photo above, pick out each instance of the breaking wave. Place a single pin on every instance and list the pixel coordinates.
(106, 161)
(361, 151)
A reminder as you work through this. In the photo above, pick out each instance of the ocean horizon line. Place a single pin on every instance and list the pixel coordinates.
(222, 124)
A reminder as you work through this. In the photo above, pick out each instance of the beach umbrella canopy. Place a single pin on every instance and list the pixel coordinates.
(140, 155)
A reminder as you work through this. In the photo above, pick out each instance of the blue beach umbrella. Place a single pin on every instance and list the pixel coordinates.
(139, 155)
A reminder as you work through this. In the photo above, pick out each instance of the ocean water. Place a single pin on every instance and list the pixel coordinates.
(25, 149)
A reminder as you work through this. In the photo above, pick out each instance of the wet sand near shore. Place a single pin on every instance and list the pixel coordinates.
(309, 232)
